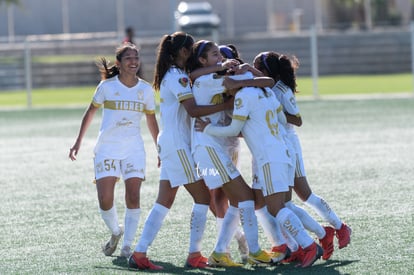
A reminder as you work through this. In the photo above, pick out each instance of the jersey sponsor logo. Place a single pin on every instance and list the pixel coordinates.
(124, 122)
(183, 81)
(125, 105)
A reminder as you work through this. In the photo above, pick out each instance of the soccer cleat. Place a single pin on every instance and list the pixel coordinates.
(260, 257)
(142, 263)
(283, 250)
(311, 254)
(197, 262)
(243, 248)
(295, 256)
(344, 235)
(222, 260)
(126, 252)
(109, 247)
(327, 242)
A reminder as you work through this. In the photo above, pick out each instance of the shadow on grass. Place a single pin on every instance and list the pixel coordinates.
(320, 267)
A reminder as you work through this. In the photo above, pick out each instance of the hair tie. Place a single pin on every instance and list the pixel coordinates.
(201, 48)
(264, 56)
(226, 51)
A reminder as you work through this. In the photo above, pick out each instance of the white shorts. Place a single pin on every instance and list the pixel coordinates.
(131, 167)
(292, 165)
(300, 167)
(216, 168)
(272, 178)
(178, 167)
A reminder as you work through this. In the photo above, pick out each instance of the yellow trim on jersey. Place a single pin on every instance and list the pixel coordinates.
(124, 105)
(217, 99)
(149, 112)
(186, 165)
(184, 97)
(242, 118)
(97, 105)
(217, 164)
(279, 109)
(267, 177)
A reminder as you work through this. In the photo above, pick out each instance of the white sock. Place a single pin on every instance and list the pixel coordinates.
(290, 241)
(110, 218)
(130, 225)
(308, 222)
(292, 225)
(197, 225)
(151, 227)
(229, 225)
(266, 220)
(322, 208)
(249, 222)
(219, 224)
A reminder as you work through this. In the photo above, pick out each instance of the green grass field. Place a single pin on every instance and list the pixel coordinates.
(358, 155)
(327, 86)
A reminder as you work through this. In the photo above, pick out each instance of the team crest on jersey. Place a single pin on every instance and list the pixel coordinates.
(183, 81)
(238, 103)
(141, 95)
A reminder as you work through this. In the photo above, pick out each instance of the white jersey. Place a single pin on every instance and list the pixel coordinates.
(261, 128)
(175, 131)
(123, 108)
(286, 97)
(208, 90)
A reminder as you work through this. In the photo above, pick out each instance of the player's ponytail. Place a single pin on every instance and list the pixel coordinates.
(168, 50)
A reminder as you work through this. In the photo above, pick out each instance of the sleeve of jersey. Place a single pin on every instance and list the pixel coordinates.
(99, 96)
(232, 130)
(149, 102)
(180, 86)
(289, 103)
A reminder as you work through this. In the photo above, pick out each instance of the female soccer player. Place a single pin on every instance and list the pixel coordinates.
(282, 70)
(120, 149)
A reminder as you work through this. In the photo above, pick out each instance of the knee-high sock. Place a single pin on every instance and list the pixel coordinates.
(267, 221)
(197, 226)
(228, 228)
(324, 210)
(131, 221)
(308, 222)
(291, 224)
(110, 218)
(151, 227)
(249, 222)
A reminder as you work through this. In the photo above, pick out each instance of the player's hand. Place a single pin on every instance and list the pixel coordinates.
(200, 124)
(73, 151)
(159, 162)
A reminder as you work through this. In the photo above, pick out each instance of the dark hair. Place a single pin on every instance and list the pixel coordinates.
(230, 51)
(168, 50)
(279, 67)
(200, 49)
(103, 63)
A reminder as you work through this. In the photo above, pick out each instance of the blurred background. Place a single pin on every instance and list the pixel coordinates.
(54, 43)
